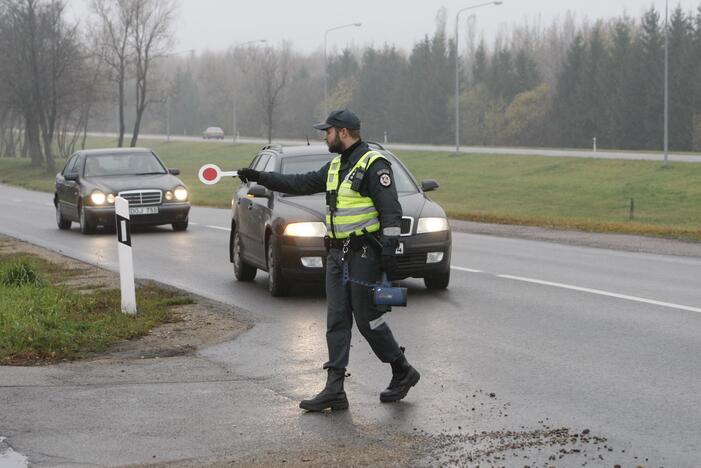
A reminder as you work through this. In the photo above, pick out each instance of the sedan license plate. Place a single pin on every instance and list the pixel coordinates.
(139, 210)
(400, 249)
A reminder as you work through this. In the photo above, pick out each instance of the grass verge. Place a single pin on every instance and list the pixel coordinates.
(563, 193)
(42, 321)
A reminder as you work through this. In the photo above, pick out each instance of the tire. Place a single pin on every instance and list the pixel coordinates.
(85, 226)
(439, 281)
(180, 225)
(242, 270)
(61, 222)
(277, 285)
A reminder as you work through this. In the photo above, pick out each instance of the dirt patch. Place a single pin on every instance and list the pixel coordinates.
(196, 325)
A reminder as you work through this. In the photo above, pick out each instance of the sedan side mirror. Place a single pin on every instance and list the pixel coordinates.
(174, 171)
(429, 185)
(71, 176)
(258, 191)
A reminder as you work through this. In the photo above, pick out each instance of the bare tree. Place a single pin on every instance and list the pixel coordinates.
(40, 69)
(273, 71)
(116, 25)
(151, 37)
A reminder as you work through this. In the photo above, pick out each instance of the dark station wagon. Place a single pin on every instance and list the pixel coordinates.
(283, 234)
(87, 186)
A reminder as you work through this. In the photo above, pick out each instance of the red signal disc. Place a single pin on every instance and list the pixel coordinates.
(209, 173)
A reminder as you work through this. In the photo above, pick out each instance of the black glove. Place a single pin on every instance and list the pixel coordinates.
(249, 174)
(389, 264)
(388, 258)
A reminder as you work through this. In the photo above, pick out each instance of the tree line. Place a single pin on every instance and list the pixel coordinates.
(561, 84)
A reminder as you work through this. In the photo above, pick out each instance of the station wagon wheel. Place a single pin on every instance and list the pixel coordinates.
(242, 270)
(277, 285)
(437, 281)
(62, 222)
(85, 226)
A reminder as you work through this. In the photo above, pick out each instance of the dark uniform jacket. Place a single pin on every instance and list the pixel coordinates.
(383, 196)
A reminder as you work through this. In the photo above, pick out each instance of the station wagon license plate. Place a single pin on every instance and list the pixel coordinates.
(139, 210)
(400, 249)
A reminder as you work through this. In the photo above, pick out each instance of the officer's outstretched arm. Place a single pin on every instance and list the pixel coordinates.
(295, 184)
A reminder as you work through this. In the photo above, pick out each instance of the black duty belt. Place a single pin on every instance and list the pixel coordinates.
(353, 242)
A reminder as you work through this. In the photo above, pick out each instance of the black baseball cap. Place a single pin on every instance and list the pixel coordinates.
(341, 118)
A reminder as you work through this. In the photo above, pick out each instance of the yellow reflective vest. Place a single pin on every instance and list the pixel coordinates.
(353, 212)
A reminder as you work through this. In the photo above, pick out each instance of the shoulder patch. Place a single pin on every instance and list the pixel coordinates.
(383, 171)
(385, 180)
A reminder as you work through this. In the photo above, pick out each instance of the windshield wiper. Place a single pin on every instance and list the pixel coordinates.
(149, 173)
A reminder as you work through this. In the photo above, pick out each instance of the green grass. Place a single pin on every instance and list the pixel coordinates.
(41, 321)
(570, 193)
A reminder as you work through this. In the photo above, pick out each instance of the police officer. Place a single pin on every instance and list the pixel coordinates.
(363, 218)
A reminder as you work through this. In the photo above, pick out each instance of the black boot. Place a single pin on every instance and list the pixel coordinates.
(404, 376)
(332, 396)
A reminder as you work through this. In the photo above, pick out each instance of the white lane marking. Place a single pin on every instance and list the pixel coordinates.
(469, 270)
(217, 227)
(603, 293)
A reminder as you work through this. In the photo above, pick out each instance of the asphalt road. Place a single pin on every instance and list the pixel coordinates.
(554, 152)
(564, 336)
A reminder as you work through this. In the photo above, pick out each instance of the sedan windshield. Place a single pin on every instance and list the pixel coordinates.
(97, 165)
(304, 164)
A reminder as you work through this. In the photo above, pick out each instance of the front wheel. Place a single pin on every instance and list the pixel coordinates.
(277, 285)
(180, 225)
(242, 270)
(86, 226)
(61, 222)
(438, 281)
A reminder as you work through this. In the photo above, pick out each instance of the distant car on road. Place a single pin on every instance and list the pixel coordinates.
(213, 133)
(283, 234)
(87, 186)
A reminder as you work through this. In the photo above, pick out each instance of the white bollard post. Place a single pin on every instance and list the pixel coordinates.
(594, 145)
(126, 260)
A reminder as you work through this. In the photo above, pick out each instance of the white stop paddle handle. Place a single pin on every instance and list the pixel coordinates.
(210, 174)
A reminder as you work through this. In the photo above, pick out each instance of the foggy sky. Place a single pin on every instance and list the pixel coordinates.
(217, 24)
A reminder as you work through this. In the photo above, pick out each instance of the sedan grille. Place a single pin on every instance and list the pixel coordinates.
(142, 197)
(407, 225)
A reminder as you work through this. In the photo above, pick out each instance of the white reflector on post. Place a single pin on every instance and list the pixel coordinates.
(126, 260)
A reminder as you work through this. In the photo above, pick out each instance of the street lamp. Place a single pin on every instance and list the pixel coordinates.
(666, 83)
(326, 90)
(234, 123)
(457, 69)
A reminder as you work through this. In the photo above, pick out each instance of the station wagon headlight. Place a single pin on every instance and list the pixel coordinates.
(432, 225)
(310, 229)
(180, 193)
(97, 197)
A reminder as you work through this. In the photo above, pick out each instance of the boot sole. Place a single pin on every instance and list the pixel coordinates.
(414, 380)
(334, 406)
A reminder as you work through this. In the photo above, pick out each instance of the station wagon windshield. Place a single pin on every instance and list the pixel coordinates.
(97, 165)
(304, 164)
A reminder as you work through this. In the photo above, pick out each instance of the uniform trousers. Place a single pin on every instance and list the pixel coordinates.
(352, 300)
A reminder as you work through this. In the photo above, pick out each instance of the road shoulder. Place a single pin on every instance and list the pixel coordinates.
(626, 242)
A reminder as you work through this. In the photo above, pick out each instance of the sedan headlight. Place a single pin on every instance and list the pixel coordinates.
(180, 193)
(432, 225)
(97, 197)
(310, 229)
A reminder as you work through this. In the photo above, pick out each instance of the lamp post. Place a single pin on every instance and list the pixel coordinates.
(457, 69)
(234, 122)
(326, 89)
(666, 83)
